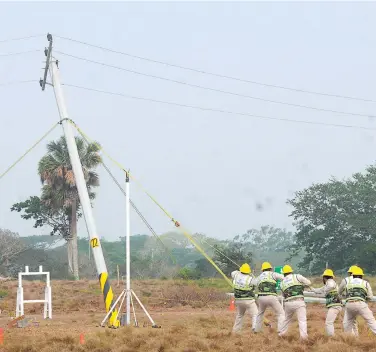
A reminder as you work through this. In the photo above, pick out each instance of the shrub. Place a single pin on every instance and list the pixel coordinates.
(188, 274)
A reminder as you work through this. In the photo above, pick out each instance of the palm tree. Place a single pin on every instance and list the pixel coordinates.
(59, 191)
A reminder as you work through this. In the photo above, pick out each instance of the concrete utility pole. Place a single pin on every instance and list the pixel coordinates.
(128, 250)
(52, 67)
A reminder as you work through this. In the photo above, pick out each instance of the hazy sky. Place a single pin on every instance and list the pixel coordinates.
(210, 170)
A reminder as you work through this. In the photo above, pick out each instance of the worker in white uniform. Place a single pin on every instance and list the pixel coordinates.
(292, 287)
(343, 284)
(357, 293)
(333, 301)
(267, 296)
(244, 292)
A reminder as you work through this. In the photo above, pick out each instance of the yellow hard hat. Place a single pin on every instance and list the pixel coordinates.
(245, 269)
(328, 272)
(351, 269)
(287, 269)
(357, 271)
(266, 265)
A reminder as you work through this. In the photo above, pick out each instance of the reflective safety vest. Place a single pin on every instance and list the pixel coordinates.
(356, 289)
(332, 298)
(242, 286)
(267, 285)
(291, 287)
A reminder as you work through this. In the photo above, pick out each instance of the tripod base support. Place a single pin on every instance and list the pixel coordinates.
(122, 296)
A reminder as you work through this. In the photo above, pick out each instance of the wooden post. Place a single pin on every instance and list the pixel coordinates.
(118, 276)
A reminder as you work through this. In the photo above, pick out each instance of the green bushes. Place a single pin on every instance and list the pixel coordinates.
(188, 274)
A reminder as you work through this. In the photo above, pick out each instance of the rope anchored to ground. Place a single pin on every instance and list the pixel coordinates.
(29, 150)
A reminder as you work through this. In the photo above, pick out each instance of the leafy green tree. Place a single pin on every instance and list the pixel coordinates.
(336, 222)
(267, 239)
(59, 191)
(43, 215)
(205, 268)
(231, 256)
(188, 274)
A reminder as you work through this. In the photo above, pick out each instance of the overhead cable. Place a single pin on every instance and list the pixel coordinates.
(218, 110)
(11, 83)
(20, 53)
(217, 74)
(21, 38)
(213, 89)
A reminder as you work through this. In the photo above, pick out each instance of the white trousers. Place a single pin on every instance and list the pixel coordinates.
(269, 301)
(298, 307)
(355, 324)
(244, 307)
(331, 317)
(352, 310)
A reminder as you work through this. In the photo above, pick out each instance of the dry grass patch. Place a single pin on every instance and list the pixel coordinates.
(195, 318)
(180, 332)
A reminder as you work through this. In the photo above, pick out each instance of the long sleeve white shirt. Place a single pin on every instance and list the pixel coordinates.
(303, 280)
(342, 285)
(275, 276)
(330, 285)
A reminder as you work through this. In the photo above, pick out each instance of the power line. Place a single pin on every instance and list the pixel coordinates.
(213, 89)
(218, 74)
(21, 38)
(4, 84)
(20, 53)
(217, 110)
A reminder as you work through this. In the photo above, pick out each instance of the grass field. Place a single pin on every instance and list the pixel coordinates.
(193, 317)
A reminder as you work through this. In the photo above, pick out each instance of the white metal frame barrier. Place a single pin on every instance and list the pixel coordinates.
(47, 293)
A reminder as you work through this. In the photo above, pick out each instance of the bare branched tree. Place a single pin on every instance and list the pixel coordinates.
(11, 246)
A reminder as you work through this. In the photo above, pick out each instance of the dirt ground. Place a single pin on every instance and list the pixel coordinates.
(184, 327)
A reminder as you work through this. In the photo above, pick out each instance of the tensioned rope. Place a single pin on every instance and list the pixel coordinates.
(176, 223)
(217, 250)
(138, 212)
(29, 150)
(133, 205)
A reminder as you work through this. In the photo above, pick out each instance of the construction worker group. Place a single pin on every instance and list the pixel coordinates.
(354, 290)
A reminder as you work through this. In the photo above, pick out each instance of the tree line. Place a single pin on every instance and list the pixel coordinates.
(334, 221)
(149, 259)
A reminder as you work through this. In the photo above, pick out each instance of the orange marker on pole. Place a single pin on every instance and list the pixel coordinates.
(82, 339)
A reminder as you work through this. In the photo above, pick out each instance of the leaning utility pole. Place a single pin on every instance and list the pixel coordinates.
(52, 68)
